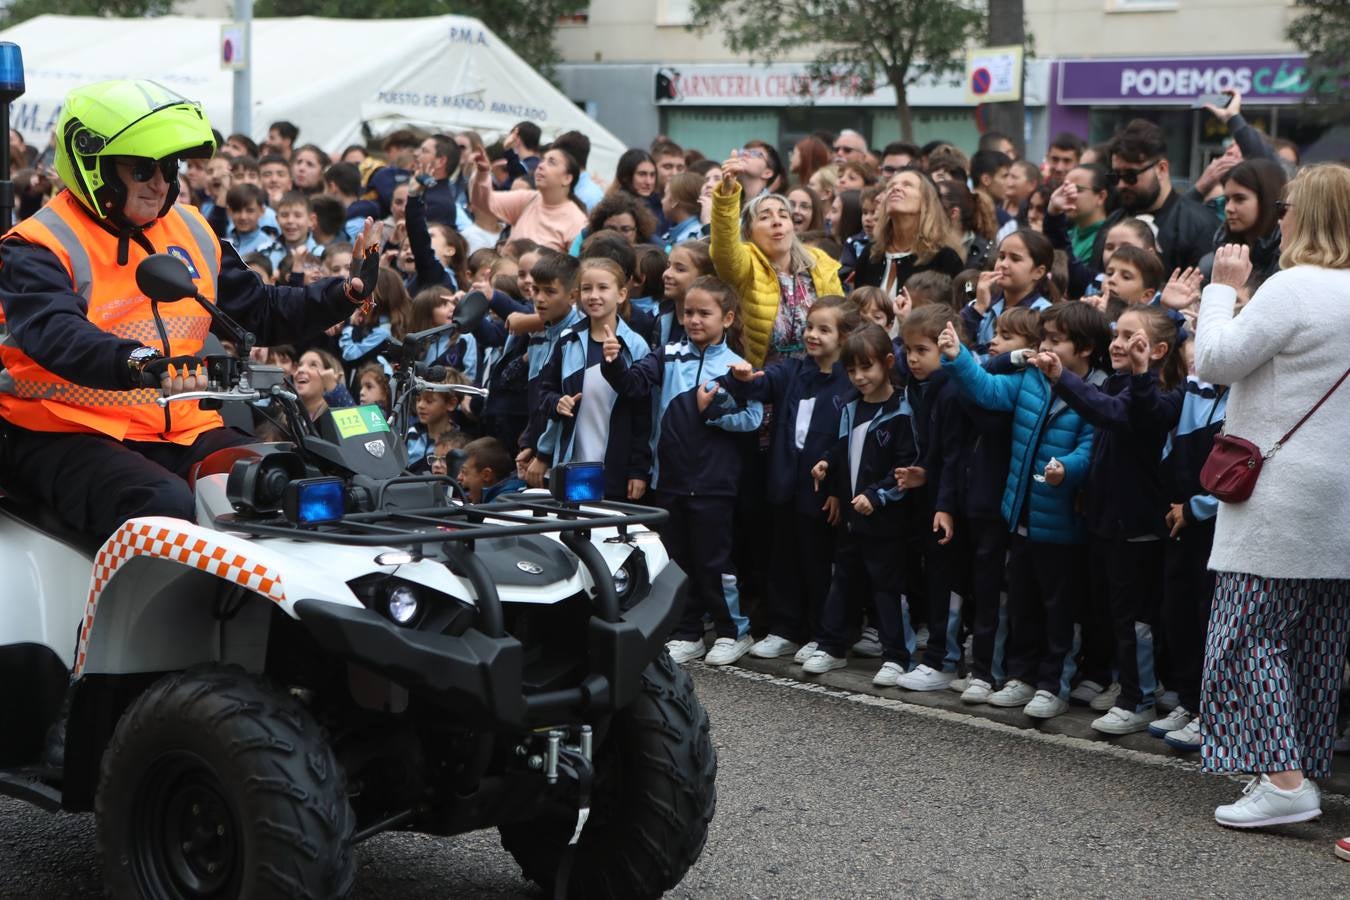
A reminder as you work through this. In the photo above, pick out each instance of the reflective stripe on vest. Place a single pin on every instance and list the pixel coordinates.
(81, 272)
(73, 393)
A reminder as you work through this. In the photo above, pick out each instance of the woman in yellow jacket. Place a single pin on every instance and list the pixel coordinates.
(777, 277)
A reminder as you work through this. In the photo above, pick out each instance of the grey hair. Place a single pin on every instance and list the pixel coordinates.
(800, 259)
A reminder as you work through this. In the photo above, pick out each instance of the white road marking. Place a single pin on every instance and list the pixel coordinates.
(1031, 734)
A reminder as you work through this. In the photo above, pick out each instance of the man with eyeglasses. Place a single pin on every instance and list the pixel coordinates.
(849, 147)
(1141, 174)
(80, 429)
(898, 155)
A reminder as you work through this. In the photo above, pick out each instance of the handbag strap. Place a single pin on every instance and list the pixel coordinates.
(1308, 415)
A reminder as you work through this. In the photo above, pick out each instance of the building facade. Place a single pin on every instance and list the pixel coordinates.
(637, 68)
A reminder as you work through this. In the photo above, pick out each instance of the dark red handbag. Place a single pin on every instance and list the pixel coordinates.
(1234, 463)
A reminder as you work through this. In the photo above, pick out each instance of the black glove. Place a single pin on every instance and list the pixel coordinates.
(369, 273)
(153, 373)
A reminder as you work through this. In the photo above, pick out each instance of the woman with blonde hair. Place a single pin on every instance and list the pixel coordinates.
(911, 235)
(776, 276)
(1280, 620)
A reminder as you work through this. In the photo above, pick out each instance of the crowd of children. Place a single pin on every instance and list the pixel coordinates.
(985, 486)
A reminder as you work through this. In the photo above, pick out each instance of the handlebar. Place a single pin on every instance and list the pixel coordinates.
(467, 390)
(218, 395)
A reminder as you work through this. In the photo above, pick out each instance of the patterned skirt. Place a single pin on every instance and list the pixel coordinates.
(1273, 661)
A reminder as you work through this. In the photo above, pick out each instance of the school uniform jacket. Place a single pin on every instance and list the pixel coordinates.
(806, 402)
(887, 443)
(1202, 413)
(984, 327)
(943, 433)
(1124, 496)
(985, 458)
(696, 452)
(1043, 426)
(538, 352)
(628, 446)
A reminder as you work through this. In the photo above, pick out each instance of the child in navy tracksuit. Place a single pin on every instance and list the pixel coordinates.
(1051, 447)
(1188, 584)
(876, 437)
(808, 396)
(697, 466)
(983, 474)
(942, 431)
(554, 303)
(1125, 504)
(589, 421)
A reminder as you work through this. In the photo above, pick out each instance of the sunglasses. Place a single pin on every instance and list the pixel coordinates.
(1282, 207)
(890, 170)
(143, 169)
(1129, 176)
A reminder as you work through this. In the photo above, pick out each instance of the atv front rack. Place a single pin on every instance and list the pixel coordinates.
(456, 527)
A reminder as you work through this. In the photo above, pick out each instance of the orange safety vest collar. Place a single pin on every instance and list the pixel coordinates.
(31, 397)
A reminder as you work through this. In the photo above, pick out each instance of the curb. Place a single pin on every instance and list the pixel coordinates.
(1076, 723)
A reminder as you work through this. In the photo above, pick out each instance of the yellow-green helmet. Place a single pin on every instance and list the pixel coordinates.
(124, 118)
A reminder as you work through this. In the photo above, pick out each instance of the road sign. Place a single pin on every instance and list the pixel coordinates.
(232, 55)
(993, 74)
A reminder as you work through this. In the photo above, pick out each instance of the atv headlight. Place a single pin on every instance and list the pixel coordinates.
(403, 605)
(623, 581)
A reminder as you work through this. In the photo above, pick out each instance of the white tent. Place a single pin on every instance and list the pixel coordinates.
(328, 76)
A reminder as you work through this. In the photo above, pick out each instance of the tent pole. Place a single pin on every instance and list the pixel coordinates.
(243, 76)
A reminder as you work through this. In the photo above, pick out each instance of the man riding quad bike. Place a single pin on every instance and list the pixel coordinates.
(253, 656)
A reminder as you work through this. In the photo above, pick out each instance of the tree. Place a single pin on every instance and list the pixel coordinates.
(22, 10)
(1323, 32)
(525, 25)
(857, 43)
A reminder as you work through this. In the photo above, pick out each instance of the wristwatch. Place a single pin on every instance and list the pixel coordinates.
(142, 357)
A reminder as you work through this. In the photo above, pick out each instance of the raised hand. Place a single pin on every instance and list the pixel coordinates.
(731, 172)
(902, 303)
(1140, 353)
(1064, 199)
(1224, 113)
(949, 343)
(1232, 265)
(567, 406)
(1183, 288)
(611, 348)
(984, 291)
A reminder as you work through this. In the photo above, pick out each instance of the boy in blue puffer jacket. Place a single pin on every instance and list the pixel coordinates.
(1051, 448)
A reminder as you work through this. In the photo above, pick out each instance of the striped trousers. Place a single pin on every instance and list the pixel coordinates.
(1273, 661)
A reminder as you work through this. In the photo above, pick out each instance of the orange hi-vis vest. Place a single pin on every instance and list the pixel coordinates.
(33, 398)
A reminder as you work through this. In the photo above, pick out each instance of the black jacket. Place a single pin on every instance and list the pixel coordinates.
(1185, 233)
(870, 269)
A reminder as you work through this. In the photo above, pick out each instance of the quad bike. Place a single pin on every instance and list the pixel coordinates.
(336, 648)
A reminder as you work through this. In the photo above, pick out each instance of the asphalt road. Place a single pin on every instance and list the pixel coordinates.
(826, 794)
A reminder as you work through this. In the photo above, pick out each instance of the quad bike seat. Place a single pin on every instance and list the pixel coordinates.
(41, 518)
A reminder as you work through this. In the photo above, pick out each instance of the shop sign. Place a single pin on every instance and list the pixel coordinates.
(1162, 82)
(786, 85)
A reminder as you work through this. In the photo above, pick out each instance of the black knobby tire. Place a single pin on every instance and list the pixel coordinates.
(656, 792)
(215, 785)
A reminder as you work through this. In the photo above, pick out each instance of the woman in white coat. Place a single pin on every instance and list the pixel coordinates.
(1281, 613)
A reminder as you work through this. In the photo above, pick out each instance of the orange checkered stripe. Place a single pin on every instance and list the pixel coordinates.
(79, 395)
(133, 540)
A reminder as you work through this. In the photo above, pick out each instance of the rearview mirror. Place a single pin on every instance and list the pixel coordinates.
(164, 278)
(472, 307)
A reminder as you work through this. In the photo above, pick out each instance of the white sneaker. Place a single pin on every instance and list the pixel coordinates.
(869, 645)
(1187, 738)
(804, 654)
(726, 651)
(1085, 692)
(821, 661)
(773, 647)
(959, 685)
(1168, 700)
(1122, 721)
(1014, 693)
(979, 691)
(925, 679)
(1046, 705)
(1175, 720)
(888, 675)
(685, 651)
(1107, 698)
(1262, 803)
